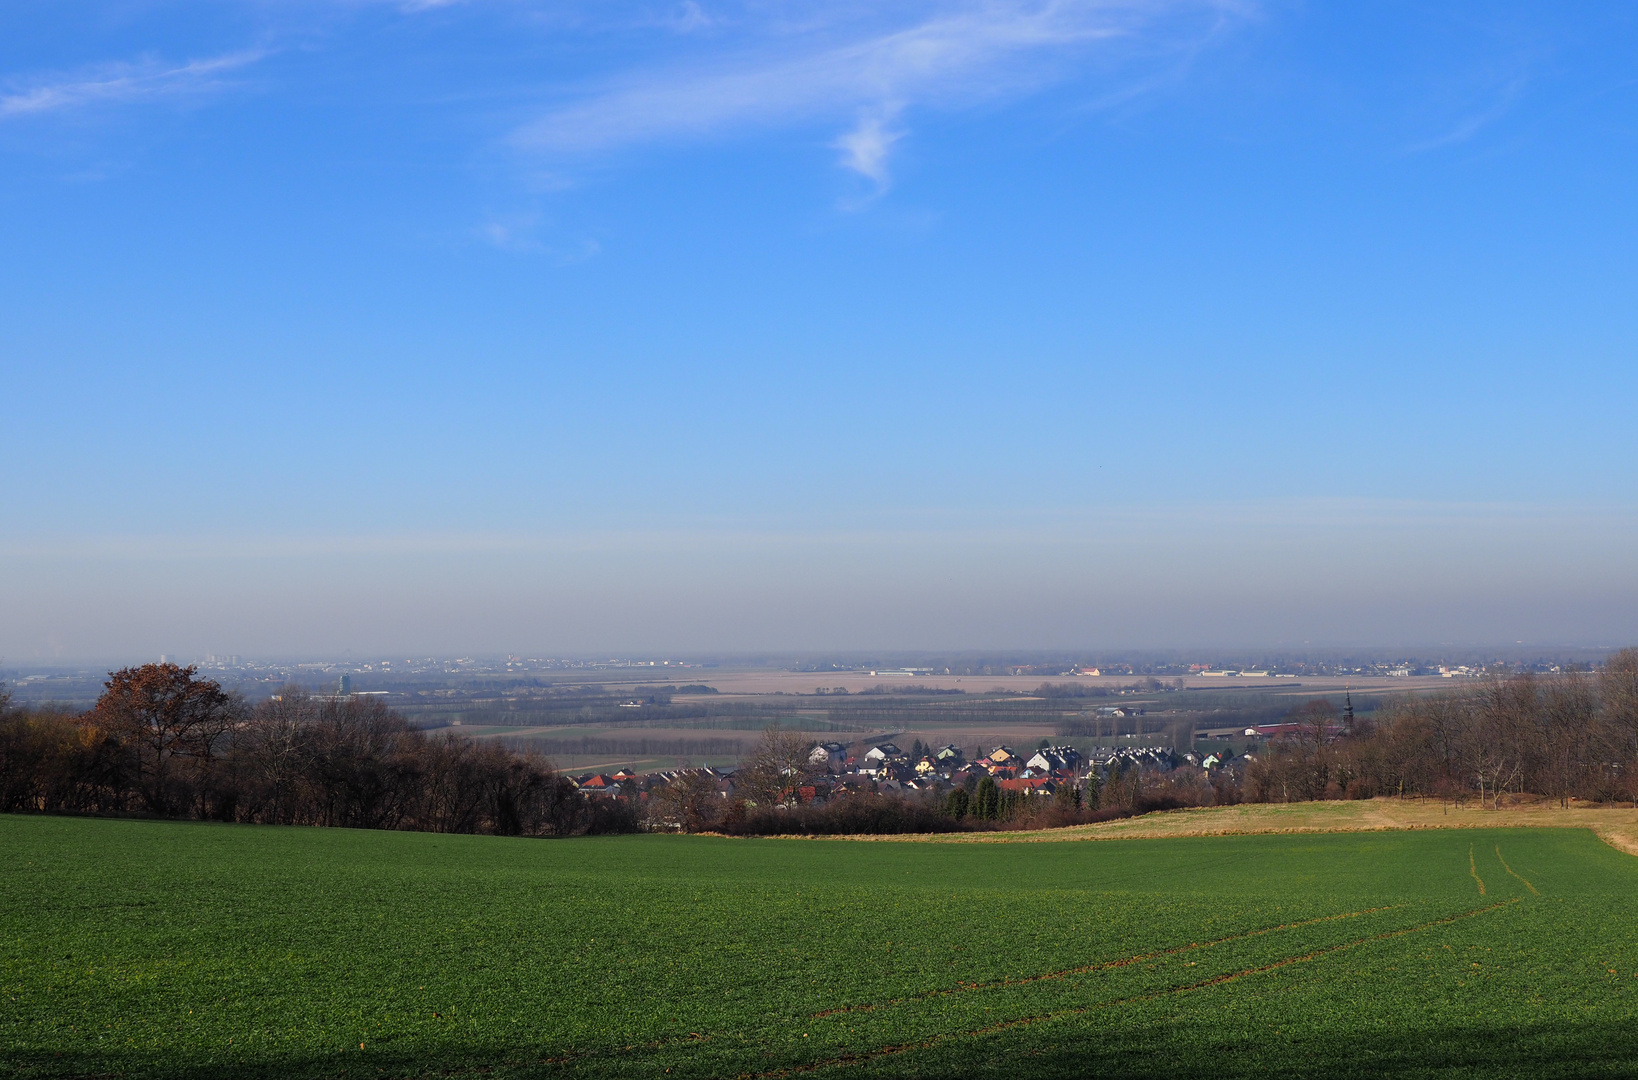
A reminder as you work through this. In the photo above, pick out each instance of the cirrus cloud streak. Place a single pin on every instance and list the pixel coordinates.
(959, 54)
(119, 83)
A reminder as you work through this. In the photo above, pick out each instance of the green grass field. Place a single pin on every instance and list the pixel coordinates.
(188, 950)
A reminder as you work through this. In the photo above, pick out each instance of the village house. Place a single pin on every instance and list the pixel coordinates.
(832, 757)
(879, 757)
(603, 786)
(1053, 759)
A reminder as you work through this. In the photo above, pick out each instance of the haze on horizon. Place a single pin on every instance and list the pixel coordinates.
(432, 327)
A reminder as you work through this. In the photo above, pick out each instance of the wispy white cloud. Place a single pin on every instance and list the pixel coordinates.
(690, 17)
(865, 148)
(426, 5)
(514, 233)
(521, 234)
(1506, 97)
(957, 52)
(124, 82)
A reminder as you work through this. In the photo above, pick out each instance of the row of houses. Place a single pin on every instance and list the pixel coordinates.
(886, 758)
(885, 768)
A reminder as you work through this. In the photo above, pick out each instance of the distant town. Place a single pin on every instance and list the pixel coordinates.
(835, 770)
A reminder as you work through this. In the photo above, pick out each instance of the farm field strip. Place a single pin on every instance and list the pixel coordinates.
(738, 1043)
(1087, 969)
(1007, 988)
(755, 1041)
(1014, 982)
(197, 951)
(1005, 1025)
(1003, 984)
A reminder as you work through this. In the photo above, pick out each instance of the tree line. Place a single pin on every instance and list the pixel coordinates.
(162, 742)
(1566, 736)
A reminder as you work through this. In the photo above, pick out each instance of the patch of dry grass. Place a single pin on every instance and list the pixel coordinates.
(1617, 827)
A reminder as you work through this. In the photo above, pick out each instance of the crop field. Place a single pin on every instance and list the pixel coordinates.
(190, 950)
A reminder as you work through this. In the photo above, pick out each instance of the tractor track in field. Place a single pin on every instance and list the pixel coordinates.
(996, 984)
(844, 1060)
(1087, 969)
(999, 984)
(1515, 873)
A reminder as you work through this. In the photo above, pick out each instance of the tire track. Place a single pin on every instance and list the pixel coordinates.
(1087, 969)
(1473, 868)
(666, 1041)
(864, 1057)
(1515, 873)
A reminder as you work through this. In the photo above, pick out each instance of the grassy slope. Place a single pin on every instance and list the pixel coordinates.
(176, 949)
(1617, 826)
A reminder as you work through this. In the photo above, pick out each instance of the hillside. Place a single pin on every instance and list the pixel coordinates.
(1616, 826)
(149, 949)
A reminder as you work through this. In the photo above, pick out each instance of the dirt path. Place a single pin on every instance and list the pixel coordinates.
(1616, 827)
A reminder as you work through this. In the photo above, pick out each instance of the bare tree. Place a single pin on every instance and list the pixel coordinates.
(689, 802)
(1567, 715)
(365, 767)
(1618, 702)
(1449, 720)
(272, 752)
(776, 767)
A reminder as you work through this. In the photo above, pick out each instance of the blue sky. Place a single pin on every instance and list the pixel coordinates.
(578, 327)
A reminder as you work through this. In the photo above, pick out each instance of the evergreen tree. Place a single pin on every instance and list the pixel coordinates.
(1094, 791)
(987, 800)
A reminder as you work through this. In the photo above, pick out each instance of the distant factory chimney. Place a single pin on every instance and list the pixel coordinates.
(345, 686)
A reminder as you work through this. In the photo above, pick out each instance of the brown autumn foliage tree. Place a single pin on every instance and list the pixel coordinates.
(161, 741)
(162, 730)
